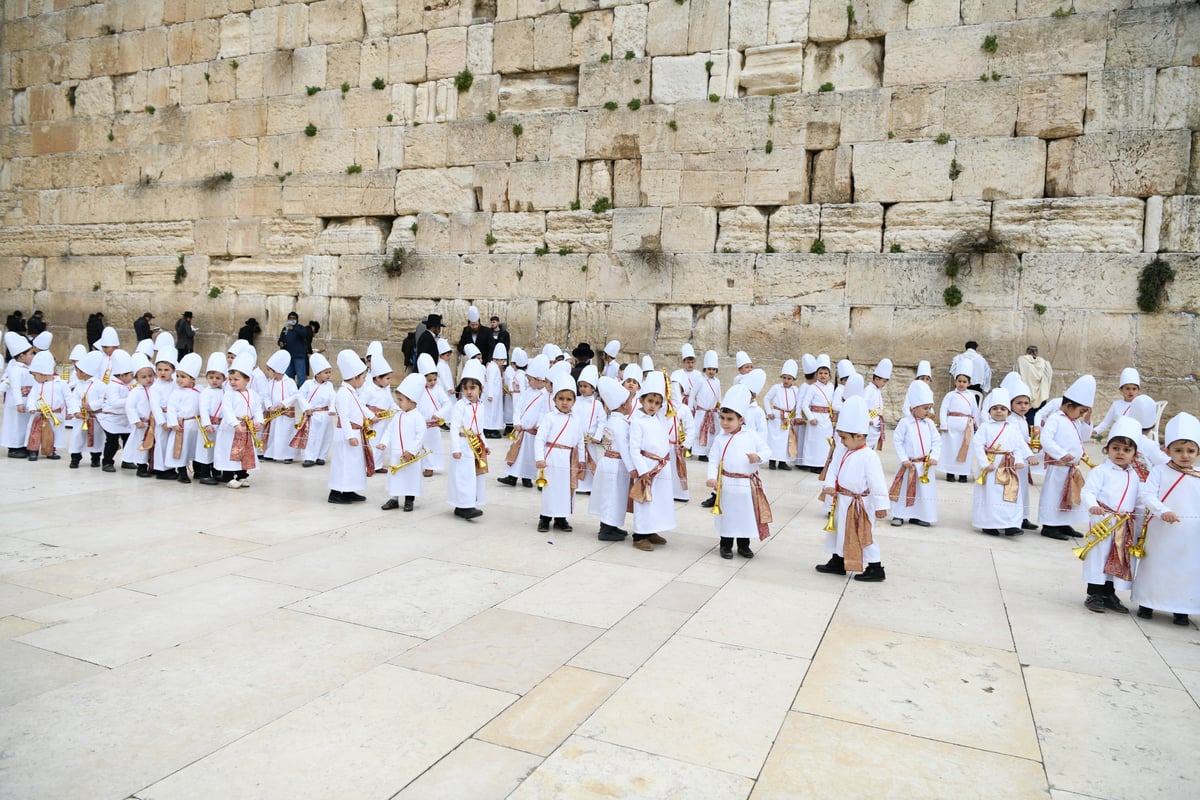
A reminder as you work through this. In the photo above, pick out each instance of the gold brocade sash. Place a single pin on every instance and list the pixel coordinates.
(514, 449)
(41, 436)
(368, 455)
(1117, 564)
(242, 449)
(639, 491)
(858, 534)
(910, 498)
(1072, 486)
(968, 432)
(177, 450)
(1006, 474)
(762, 507)
(708, 425)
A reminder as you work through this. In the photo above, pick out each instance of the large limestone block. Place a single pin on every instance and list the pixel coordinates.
(637, 229)
(539, 91)
(627, 134)
(145, 239)
(977, 11)
(551, 42)
(1168, 345)
(591, 38)
(787, 21)
(748, 23)
(662, 177)
(932, 56)
(828, 21)
(1081, 281)
(478, 141)
(678, 78)
(901, 171)
(644, 276)
(667, 28)
(512, 46)
(995, 169)
(403, 234)
(627, 183)
(1052, 107)
(282, 27)
(33, 241)
(717, 179)
(890, 279)
(1175, 98)
(1069, 224)
(810, 121)
(541, 186)
(518, 232)
(856, 64)
(708, 25)
(553, 277)
(852, 227)
(793, 229)
(94, 97)
(1163, 36)
(864, 115)
(629, 30)
(288, 236)
(595, 182)
(406, 58)
(689, 229)
(1118, 99)
(802, 278)
(776, 178)
(356, 236)
(936, 227)
(479, 48)
(335, 21)
(481, 273)
(874, 19)
(713, 278)
(917, 112)
(1181, 225)
(193, 42)
(773, 69)
(425, 146)
(933, 14)
(768, 331)
(234, 34)
(705, 127)
(1071, 45)
(281, 276)
(1131, 163)
(339, 195)
(447, 52)
(433, 233)
(618, 81)
(741, 230)
(580, 231)
(982, 109)
(380, 17)
(435, 190)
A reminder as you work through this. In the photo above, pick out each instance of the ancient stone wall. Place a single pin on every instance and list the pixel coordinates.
(776, 176)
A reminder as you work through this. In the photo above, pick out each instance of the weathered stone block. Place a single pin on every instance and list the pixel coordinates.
(436, 190)
(512, 46)
(1181, 224)
(936, 227)
(1167, 345)
(800, 278)
(709, 278)
(1130, 163)
(773, 69)
(827, 21)
(716, 179)
(478, 141)
(629, 30)
(977, 11)
(874, 19)
(995, 169)
(479, 49)
(666, 28)
(706, 127)
(852, 227)
(551, 42)
(518, 232)
(433, 233)
(689, 229)
(617, 81)
(1052, 107)
(637, 229)
(899, 171)
(335, 21)
(581, 231)
(793, 228)
(447, 54)
(145, 239)
(776, 178)
(932, 56)
(356, 236)
(1071, 224)
(1119, 99)
(982, 109)
(748, 23)
(256, 276)
(1071, 45)
(481, 273)
(627, 183)
(742, 230)
(917, 112)
(547, 185)
(894, 279)
(708, 25)
(539, 91)
(864, 115)
(679, 78)
(1153, 37)
(1175, 104)
(856, 64)
(288, 236)
(627, 134)
(933, 14)
(595, 182)
(637, 275)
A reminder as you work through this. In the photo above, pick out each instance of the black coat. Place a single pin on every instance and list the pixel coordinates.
(481, 338)
(141, 329)
(427, 343)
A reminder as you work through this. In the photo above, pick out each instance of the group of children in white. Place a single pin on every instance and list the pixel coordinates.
(622, 436)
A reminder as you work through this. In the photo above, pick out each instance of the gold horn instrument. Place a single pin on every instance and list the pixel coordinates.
(48, 412)
(831, 520)
(687, 451)
(667, 399)
(983, 475)
(208, 443)
(253, 434)
(84, 415)
(716, 508)
(417, 456)
(475, 442)
(925, 472)
(1035, 439)
(1084, 458)
(1098, 533)
(1139, 550)
(540, 482)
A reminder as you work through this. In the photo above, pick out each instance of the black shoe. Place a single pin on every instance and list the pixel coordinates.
(962, 478)
(108, 468)
(609, 533)
(1113, 603)
(543, 525)
(710, 502)
(834, 566)
(165, 475)
(32, 457)
(770, 465)
(289, 460)
(920, 523)
(1146, 613)
(183, 477)
(53, 457)
(527, 483)
(1180, 619)
(872, 574)
(75, 459)
(726, 552)
(1095, 603)
(208, 480)
(144, 472)
(354, 497)
(1074, 534)
(309, 464)
(95, 459)
(561, 524)
(129, 465)
(339, 498)
(264, 458)
(897, 522)
(949, 478)
(320, 462)
(1013, 531)
(1027, 525)
(391, 505)
(1054, 532)
(408, 504)
(786, 467)
(991, 531)
(744, 551)
(507, 480)
(18, 452)
(702, 459)
(468, 513)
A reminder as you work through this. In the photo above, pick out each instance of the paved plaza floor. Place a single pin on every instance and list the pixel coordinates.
(164, 642)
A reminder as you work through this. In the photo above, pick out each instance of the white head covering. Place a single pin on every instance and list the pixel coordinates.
(884, 369)
(1082, 391)
(317, 363)
(655, 383)
(1183, 426)
(140, 362)
(122, 362)
(647, 364)
(190, 365)
(374, 349)
(1015, 387)
(737, 399)
(216, 363)
(612, 393)
(1144, 410)
(444, 346)
(822, 361)
(755, 380)
(1130, 375)
(612, 349)
(500, 352)
(552, 351)
(710, 359)
(1129, 428)
(412, 386)
(245, 364)
(589, 375)
(167, 354)
(558, 368)
(997, 397)
(145, 347)
(472, 314)
(471, 351)
(91, 363)
(687, 351)
(280, 360)
(854, 417)
(808, 363)
(855, 386)
(350, 365)
(43, 363)
(563, 382)
(108, 338)
(920, 393)
(164, 339)
(539, 367)
(965, 368)
(924, 370)
(789, 368)
(16, 343)
(519, 357)
(380, 366)
(473, 370)
(238, 347)
(845, 368)
(743, 358)
(632, 372)
(426, 364)
(77, 352)
(43, 340)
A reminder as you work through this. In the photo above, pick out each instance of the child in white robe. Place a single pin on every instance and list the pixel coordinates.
(399, 443)
(918, 448)
(816, 408)
(241, 423)
(610, 490)
(706, 401)
(138, 410)
(434, 406)
(1063, 435)
(999, 456)
(733, 476)
(280, 401)
(535, 402)
(16, 386)
(782, 401)
(314, 404)
(493, 392)
(351, 461)
(183, 411)
(558, 449)
(1130, 386)
(649, 450)
(873, 395)
(112, 416)
(958, 416)
(88, 435)
(590, 413)
(212, 400)
(466, 475)
(47, 409)
(1168, 573)
(1020, 401)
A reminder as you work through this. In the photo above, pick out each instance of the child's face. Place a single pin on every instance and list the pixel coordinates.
(730, 422)
(184, 381)
(238, 381)
(1183, 452)
(823, 375)
(651, 403)
(961, 382)
(632, 385)
(879, 382)
(586, 389)
(925, 378)
(229, 359)
(382, 380)
(689, 364)
(431, 380)
(537, 383)
(922, 412)
(746, 369)
(1120, 451)
(273, 375)
(788, 380)
(852, 441)
(324, 375)
(1072, 411)
(404, 403)
(358, 380)
(165, 371)
(125, 377)
(215, 379)
(1130, 391)
(564, 401)
(445, 356)
(41, 377)
(145, 376)
(710, 372)
(1020, 405)
(109, 350)
(998, 413)
(471, 390)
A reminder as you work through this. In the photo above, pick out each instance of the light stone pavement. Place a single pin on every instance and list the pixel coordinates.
(165, 642)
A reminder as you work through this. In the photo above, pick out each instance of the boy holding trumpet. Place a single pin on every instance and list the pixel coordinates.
(741, 506)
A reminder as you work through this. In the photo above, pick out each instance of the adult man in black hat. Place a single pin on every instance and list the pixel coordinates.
(141, 327)
(474, 333)
(427, 343)
(185, 335)
(95, 327)
(583, 355)
(37, 324)
(499, 335)
(249, 330)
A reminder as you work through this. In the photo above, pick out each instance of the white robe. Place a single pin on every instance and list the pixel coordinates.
(235, 407)
(317, 400)
(649, 434)
(555, 430)
(465, 489)
(160, 395)
(89, 394)
(1122, 491)
(914, 439)
(511, 387)
(1061, 437)
(681, 422)
(857, 471)
(183, 407)
(954, 428)
(54, 393)
(535, 404)
(137, 410)
(989, 508)
(1168, 577)
(281, 393)
(112, 417)
(434, 406)
(16, 421)
(706, 402)
(493, 398)
(212, 400)
(874, 399)
(781, 403)
(590, 413)
(610, 490)
(400, 433)
(1118, 409)
(816, 437)
(347, 464)
(731, 453)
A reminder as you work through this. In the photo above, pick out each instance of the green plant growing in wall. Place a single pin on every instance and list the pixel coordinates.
(708, 65)
(491, 116)
(942, 138)
(388, 117)
(611, 105)
(825, 87)
(463, 81)
(629, 55)
(379, 83)
(1039, 309)
(605, 58)
(574, 205)
(673, 125)
(150, 110)
(952, 267)
(952, 296)
(310, 130)
(897, 247)
(634, 104)
(312, 90)
(818, 247)
(1152, 285)
(566, 251)
(541, 251)
(770, 146)
(714, 98)
(850, 14)
(990, 44)
(393, 265)
(345, 87)
(601, 205)
(517, 129)
(180, 271)
(1060, 12)
(214, 292)
(489, 240)
(574, 19)
(354, 169)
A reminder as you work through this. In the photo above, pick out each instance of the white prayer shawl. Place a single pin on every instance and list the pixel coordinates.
(1061, 437)
(1168, 578)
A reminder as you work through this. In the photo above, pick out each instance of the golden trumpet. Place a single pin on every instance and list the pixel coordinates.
(249, 421)
(1035, 439)
(511, 435)
(983, 475)
(1139, 550)
(107, 376)
(716, 507)
(667, 399)
(48, 412)
(1099, 532)
(831, 520)
(1084, 458)
(84, 415)
(208, 443)
(475, 442)
(417, 456)
(540, 482)
(687, 451)
(300, 420)
(925, 472)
